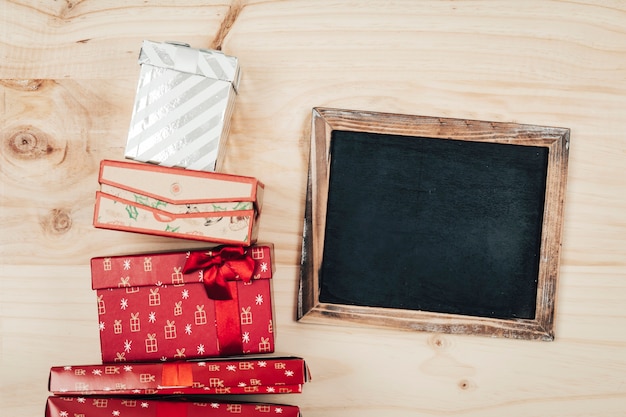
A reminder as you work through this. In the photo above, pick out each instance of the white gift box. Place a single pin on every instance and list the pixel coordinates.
(183, 105)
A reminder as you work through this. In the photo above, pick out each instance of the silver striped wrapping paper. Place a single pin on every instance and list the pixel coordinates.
(183, 106)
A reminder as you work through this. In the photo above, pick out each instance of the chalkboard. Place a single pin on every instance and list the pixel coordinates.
(433, 224)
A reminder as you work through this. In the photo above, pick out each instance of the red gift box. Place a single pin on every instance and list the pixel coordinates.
(261, 375)
(128, 407)
(182, 305)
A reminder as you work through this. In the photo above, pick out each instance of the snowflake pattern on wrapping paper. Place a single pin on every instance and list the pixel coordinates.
(188, 328)
(259, 299)
(126, 264)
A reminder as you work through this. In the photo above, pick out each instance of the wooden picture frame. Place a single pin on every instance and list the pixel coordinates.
(331, 127)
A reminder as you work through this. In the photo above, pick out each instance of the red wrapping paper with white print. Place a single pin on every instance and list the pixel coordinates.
(149, 310)
(129, 407)
(260, 375)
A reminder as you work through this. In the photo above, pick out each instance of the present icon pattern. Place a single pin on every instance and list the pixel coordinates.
(170, 312)
(117, 326)
(135, 324)
(177, 277)
(200, 315)
(170, 330)
(151, 343)
(178, 308)
(147, 264)
(154, 299)
(100, 402)
(101, 306)
(246, 315)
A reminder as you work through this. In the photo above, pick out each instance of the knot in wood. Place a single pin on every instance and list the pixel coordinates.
(29, 143)
(22, 85)
(57, 222)
(466, 385)
(438, 342)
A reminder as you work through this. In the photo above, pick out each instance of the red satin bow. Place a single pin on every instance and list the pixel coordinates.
(227, 263)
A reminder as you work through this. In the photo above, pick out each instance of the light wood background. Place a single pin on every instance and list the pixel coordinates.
(68, 71)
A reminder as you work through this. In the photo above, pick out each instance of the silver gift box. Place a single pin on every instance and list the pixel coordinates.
(183, 105)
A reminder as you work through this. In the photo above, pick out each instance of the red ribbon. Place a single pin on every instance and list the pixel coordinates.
(228, 263)
(177, 374)
(221, 268)
(171, 409)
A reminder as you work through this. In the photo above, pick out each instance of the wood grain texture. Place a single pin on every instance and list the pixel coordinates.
(67, 83)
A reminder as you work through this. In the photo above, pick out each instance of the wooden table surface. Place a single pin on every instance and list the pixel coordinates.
(68, 71)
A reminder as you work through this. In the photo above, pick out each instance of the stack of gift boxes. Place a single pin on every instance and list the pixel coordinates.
(180, 329)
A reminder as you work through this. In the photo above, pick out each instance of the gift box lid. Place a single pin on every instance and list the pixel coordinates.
(253, 375)
(150, 269)
(179, 186)
(181, 57)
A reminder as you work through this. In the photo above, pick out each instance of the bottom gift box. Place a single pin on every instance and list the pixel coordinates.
(248, 375)
(163, 407)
